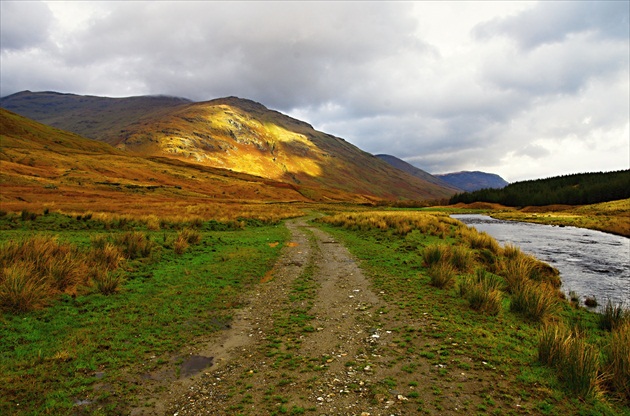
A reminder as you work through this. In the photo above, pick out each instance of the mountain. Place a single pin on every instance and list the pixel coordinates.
(42, 166)
(419, 173)
(472, 181)
(93, 117)
(232, 134)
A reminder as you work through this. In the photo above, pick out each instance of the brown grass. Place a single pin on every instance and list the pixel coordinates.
(36, 269)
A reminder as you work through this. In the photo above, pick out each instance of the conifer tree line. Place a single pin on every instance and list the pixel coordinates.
(575, 189)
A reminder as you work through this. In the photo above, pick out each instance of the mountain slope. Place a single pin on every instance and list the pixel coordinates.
(234, 134)
(419, 173)
(473, 181)
(41, 166)
(93, 117)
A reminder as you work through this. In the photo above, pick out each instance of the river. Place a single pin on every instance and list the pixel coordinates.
(591, 263)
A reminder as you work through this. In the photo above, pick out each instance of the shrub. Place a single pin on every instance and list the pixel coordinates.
(535, 301)
(613, 316)
(21, 290)
(441, 275)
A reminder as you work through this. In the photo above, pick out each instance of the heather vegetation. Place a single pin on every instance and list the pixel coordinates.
(576, 189)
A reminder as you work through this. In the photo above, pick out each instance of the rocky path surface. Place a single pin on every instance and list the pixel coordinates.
(307, 342)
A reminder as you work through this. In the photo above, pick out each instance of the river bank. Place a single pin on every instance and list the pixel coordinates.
(611, 217)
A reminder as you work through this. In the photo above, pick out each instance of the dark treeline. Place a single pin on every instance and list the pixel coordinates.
(576, 189)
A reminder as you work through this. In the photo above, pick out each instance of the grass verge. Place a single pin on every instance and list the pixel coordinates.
(80, 354)
(502, 340)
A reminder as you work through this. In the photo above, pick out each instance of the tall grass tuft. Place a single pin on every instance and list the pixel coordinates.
(442, 275)
(191, 236)
(576, 362)
(462, 259)
(517, 269)
(435, 253)
(579, 368)
(134, 244)
(535, 301)
(180, 244)
(552, 344)
(21, 290)
(106, 281)
(482, 292)
(107, 256)
(617, 361)
(479, 240)
(613, 316)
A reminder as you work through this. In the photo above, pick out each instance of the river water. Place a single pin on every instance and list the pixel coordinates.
(591, 263)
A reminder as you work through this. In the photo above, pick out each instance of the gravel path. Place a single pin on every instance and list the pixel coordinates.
(326, 363)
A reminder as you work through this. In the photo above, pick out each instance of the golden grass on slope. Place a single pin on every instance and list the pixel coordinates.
(611, 217)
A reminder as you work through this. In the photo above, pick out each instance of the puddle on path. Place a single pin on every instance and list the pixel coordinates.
(195, 364)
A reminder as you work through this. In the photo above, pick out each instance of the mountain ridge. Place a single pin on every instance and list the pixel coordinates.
(229, 133)
(471, 181)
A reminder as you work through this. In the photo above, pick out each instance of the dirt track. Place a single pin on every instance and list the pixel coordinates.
(342, 359)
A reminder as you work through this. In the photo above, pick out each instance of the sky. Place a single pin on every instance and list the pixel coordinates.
(525, 90)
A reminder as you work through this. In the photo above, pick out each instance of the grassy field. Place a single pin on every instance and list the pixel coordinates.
(79, 345)
(91, 338)
(484, 315)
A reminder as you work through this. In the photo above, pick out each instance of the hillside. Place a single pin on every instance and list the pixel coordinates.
(44, 167)
(576, 189)
(473, 181)
(234, 134)
(99, 118)
(417, 172)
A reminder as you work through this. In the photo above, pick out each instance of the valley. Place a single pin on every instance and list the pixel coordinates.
(161, 256)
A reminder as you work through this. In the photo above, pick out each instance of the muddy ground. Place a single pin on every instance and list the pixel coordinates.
(316, 339)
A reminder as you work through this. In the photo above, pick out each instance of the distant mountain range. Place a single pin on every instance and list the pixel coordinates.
(473, 181)
(458, 182)
(236, 136)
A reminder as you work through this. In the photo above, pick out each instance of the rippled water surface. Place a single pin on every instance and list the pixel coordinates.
(591, 263)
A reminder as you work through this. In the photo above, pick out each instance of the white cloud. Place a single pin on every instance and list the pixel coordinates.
(493, 86)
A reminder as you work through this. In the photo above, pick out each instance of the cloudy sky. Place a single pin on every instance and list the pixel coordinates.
(522, 89)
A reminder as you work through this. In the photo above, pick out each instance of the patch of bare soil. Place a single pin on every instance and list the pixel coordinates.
(333, 349)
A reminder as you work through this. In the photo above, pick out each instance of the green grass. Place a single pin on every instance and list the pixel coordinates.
(53, 357)
(498, 344)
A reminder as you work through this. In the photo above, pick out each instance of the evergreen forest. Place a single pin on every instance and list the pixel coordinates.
(575, 189)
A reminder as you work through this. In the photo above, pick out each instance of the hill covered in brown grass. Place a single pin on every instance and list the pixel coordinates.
(44, 167)
(233, 134)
